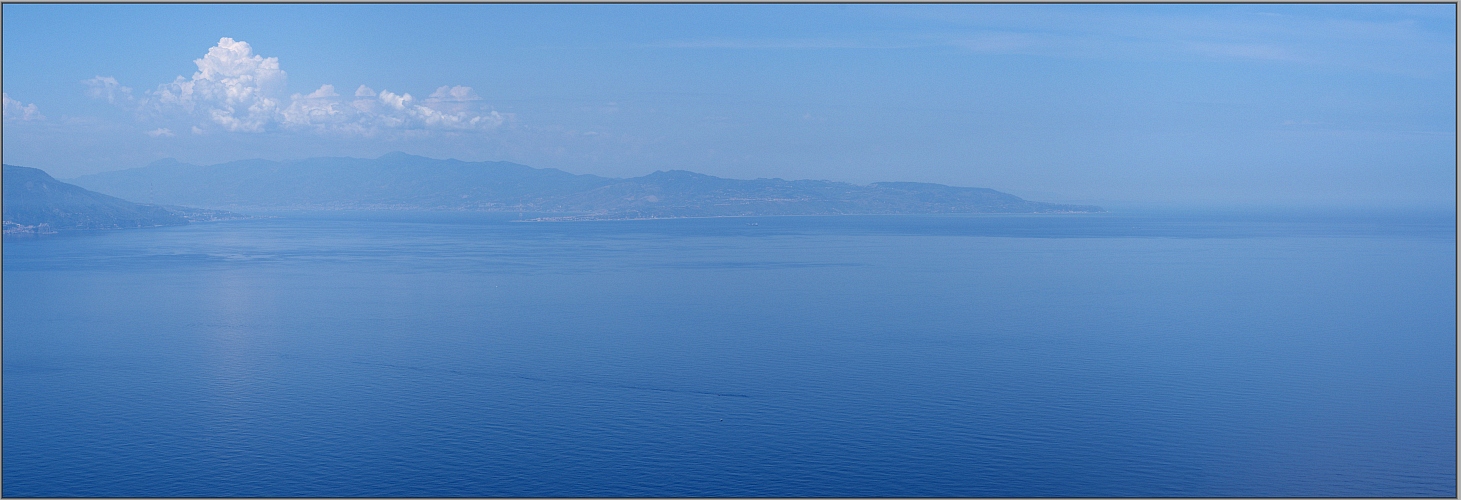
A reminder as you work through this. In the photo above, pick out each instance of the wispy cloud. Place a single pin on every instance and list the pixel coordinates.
(1244, 51)
(779, 43)
(453, 94)
(1029, 42)
(106, 87)
(236, 90)
(1177, 33)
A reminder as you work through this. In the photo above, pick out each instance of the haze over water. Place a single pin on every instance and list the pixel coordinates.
(452, 354)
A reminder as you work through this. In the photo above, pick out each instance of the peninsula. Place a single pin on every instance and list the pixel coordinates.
(36, 203)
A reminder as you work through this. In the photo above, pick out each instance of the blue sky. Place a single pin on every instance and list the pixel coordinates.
(1191, 104)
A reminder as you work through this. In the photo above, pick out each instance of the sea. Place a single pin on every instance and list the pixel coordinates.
(449, 354)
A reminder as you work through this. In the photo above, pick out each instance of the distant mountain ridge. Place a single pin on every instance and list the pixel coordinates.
(402, 181)
(36, 203)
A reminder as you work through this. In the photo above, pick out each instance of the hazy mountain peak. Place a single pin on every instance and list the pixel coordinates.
(165, 162)
(398, 155)
(678, 174)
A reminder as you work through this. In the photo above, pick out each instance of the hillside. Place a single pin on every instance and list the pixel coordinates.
(36, 203)
(401, 181)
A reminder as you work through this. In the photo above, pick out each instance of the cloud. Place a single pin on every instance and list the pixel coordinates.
(453, 94)
(237, 90)
(320, 107)
(233, 88)
(1385, 39)
(777, 44)
(370, 112)
(1244, 51)
(162, 132)
(14, 110)
(106, 87)
(396, 102)
(323, 92)
(999, 42)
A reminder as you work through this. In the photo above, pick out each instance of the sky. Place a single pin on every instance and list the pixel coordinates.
(1203, 105)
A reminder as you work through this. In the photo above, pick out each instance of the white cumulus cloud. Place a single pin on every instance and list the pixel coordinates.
(397, 102)
(321, 107)
(14, 110)
(233, 87)
(370, 112)
(237, 90)
(324, 91)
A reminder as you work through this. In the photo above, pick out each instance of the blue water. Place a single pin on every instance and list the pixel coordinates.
(442, 354)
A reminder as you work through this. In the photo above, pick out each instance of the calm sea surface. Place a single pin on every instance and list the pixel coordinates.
(441, 354)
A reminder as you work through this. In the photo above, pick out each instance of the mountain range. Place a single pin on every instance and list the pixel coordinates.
(402, 181)
(36, 203)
